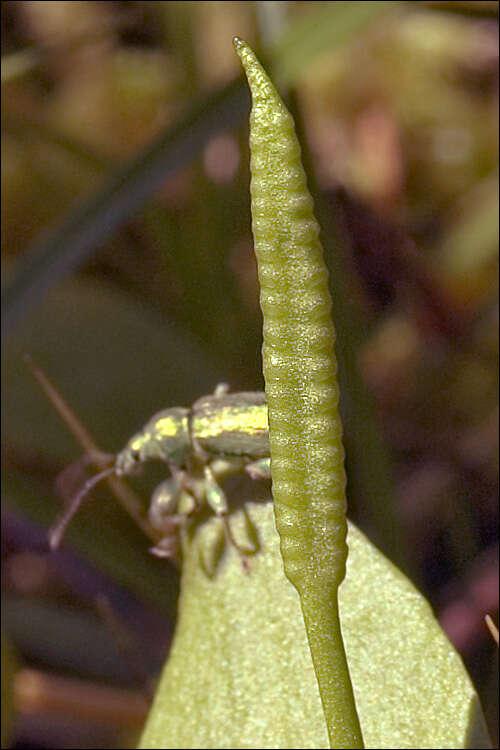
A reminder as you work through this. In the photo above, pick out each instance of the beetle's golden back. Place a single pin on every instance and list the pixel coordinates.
(234, 424)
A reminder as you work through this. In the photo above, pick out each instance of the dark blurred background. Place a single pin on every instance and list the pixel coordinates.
(130, 279)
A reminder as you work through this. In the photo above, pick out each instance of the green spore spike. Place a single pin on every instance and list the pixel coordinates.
(301, 390)
(298, 332)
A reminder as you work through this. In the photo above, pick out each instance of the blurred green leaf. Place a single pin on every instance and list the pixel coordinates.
(55, 256)
(65, 638)
(116, 363)
(17, 64)
(468, 252)
(323, 28)
(472, 7)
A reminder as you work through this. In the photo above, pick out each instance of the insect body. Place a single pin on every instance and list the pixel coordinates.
(221, 434)
(223, 425)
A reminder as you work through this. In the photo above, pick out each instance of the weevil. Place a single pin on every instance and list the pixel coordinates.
(221, 434)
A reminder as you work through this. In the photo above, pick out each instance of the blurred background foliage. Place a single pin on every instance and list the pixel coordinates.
(397, 110)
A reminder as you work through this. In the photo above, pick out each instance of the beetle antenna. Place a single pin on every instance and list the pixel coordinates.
(71, 479)
(56, 532)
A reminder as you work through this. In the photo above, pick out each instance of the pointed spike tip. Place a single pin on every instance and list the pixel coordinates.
(243, 50)
(261, 88)
(237, 43)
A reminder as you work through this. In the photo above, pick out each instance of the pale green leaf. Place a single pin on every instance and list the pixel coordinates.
(240, 672)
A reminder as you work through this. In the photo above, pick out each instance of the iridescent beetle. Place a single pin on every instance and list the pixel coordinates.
(221, 434)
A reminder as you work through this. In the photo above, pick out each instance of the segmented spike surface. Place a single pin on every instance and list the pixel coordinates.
(298, 350)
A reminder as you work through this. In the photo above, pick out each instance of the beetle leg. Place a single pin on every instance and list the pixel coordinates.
(221, 389)
(260, 469)
(163, 505)
(216, 498)
(186, 484)
(242, 549)
(167, 547)
(164, 518)
(215, 495)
